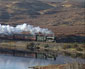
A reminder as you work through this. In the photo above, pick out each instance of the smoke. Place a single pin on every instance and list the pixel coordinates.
(8, 30)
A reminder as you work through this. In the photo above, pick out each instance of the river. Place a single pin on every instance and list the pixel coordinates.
(11, 62)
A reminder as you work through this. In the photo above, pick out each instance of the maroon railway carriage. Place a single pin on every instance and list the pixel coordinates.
(24, 37)
(29, 37)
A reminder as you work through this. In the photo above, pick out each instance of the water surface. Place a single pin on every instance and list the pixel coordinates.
(11, 62)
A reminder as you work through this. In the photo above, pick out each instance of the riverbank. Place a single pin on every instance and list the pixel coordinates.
(48, 49)
(61, 66)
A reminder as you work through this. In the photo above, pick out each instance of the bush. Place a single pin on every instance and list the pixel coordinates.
(67, 46)
(30, 45)
(79, 49)
(46, 46)
(75, 46)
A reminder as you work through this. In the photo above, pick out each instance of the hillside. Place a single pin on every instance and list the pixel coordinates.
(21, 7)
(65, 17)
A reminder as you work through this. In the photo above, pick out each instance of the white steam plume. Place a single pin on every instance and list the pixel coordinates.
(8, 30)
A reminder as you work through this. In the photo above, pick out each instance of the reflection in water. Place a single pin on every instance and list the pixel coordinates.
(10, 62)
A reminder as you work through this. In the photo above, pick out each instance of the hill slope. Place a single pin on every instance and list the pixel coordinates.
(53, 15)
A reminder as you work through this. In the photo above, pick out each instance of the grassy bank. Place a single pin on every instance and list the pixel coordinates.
(61, 66)
(67, 49)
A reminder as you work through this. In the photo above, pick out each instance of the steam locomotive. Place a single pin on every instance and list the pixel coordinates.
(29, 37)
